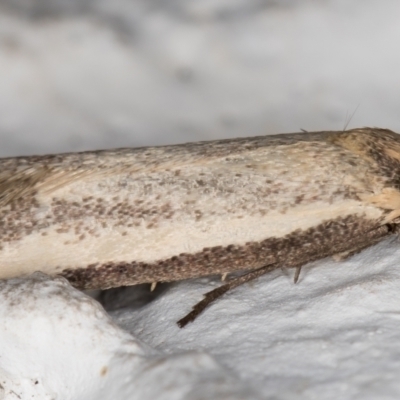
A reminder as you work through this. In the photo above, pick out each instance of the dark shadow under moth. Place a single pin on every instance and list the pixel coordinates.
(121, 217)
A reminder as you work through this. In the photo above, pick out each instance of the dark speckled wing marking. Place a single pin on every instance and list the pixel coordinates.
(126, 216)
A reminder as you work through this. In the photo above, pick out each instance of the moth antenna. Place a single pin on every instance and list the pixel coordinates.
(297, 274)
(346, 124)
(214, 294)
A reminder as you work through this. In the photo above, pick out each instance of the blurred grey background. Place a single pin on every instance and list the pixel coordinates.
(85, 74)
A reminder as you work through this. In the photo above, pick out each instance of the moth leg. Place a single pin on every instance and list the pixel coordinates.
(214, 294)
(223, 276)
(153, 286)
(297, 274)
(345, 254)
(356, 245)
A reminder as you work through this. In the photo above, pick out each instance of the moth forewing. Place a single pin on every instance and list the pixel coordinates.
(127, 216)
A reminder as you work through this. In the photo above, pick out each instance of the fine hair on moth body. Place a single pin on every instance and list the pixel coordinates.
(122, 217)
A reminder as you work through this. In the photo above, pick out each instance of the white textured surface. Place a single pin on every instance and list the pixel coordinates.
(333, 335)
(83, 74)
(57, 343)
(61, 344)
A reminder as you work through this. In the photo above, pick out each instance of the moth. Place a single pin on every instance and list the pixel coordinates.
(122, 217)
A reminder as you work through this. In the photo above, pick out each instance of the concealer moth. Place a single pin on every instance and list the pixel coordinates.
(122, 217)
